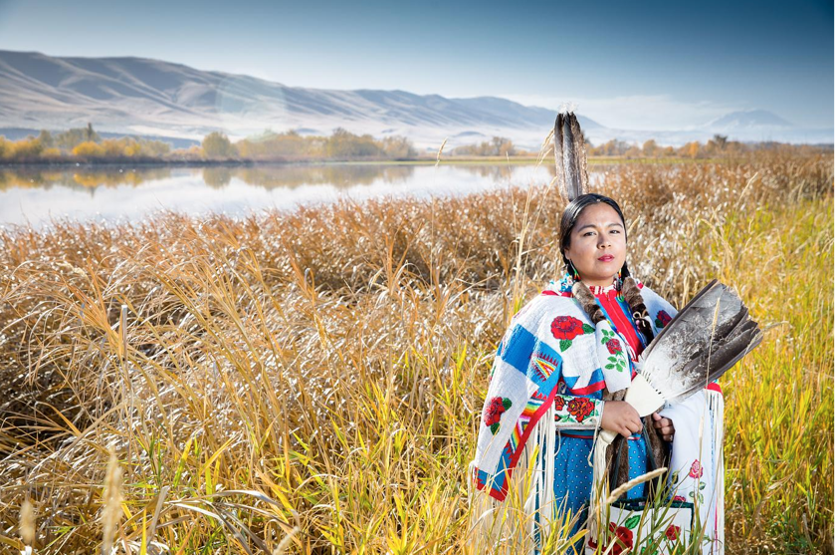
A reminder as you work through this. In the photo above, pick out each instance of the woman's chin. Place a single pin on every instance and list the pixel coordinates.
(603, 275)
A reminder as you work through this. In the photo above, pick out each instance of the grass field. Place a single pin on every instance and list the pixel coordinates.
(313, 382)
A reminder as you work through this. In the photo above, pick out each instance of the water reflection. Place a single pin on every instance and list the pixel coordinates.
(39, 195)
(288, 176)
(79, 178)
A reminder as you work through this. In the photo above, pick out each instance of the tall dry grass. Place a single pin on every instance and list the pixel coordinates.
(312, 382)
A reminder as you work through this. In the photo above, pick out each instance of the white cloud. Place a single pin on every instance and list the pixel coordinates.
(635, 112)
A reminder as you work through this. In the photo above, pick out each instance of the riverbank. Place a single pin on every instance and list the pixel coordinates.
(445, 160)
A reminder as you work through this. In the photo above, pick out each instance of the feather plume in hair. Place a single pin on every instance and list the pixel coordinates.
(570, 158)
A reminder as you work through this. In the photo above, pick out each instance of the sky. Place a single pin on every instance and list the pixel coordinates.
(661, 65)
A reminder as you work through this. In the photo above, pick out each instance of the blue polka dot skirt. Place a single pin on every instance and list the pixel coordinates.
(574, 475)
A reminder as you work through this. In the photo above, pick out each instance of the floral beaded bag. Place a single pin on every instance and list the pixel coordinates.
(647, 525)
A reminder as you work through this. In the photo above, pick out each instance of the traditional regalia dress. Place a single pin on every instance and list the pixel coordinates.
(545, 392)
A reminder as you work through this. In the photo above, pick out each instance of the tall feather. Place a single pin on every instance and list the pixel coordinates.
(706, 338)
(570, 158)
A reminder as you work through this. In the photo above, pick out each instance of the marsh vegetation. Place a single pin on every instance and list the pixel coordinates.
(312, 381)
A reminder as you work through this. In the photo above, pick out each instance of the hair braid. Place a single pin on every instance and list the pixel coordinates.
(639, 312)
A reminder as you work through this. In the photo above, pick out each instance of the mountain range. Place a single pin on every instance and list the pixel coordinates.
(149, 97)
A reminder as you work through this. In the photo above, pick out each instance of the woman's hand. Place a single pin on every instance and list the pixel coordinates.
(663, 425)
(622, 418)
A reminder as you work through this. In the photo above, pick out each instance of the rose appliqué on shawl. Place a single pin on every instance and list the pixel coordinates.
(580, 408)
(559, 403)
(662, 319)
(495, 408)
(617, 359)
(565, 328)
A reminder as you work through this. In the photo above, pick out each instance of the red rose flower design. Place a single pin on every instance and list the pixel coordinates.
(625, 536)
(663, 319)
(493, 410)
(696, 471)
(673, 532)
(567, 327)
(679, 498)
(624, 539)
(613, 346)
(559, 403)
(580, 408)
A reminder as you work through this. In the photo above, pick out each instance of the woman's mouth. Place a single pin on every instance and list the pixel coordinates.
(606, 258)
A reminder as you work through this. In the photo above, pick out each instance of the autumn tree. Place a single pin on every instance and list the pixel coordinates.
(613, 147)
(46, 139)
(74, 136)
(27, 149)
(398, 147)
(633, 153)
(88, 150)
(217, 144)
(497, 146)
(502, 146)
(344, 144)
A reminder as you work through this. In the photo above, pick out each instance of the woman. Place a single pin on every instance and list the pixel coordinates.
(567, 354)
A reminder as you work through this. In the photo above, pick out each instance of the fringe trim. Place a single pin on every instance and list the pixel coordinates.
(715, 402)
(598, 493)
(523, 519)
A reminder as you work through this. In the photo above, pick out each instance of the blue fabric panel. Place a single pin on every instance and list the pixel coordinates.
(519, 348)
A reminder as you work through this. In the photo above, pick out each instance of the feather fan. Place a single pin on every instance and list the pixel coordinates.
(710, 335)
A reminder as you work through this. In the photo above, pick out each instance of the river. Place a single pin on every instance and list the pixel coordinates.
(39, 196)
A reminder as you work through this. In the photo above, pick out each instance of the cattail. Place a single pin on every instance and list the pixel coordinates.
(113, 500)
(27, 526)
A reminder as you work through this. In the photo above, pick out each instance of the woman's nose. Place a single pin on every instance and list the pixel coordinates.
(604, 242)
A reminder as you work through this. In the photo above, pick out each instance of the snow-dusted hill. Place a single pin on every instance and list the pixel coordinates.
(157, 98)
(143, 96)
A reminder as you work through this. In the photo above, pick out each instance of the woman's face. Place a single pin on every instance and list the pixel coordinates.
(597, 244)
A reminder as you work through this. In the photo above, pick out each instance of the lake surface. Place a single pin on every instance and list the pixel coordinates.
(114, 194)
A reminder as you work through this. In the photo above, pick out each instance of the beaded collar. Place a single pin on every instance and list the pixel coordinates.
(565, 287)
(601, 290)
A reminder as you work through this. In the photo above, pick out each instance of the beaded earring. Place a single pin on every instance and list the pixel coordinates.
(576, 277)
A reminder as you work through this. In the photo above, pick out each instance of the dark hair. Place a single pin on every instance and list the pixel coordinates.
(570, 217)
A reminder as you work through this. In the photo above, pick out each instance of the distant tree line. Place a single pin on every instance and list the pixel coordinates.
(80, 144)
(497, 146)
(341, 145)
(718, 146)
(86, 145)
